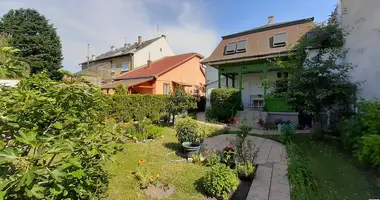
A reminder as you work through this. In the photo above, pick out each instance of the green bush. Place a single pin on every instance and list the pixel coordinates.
(137, 107)
(212, 159)
(211, 115)
(224, 103)
(351, 131)
(246, 170)
(187, 130)
(219, 181)
(369, 151)
(153, 131)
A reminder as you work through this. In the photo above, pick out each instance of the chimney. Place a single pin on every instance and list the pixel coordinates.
(148, 64)
(271, 20)
(126, 45)
(139, 40)
(112, 48)
(93, 57)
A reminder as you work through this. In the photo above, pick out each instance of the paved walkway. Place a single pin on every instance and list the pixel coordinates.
(271, 181)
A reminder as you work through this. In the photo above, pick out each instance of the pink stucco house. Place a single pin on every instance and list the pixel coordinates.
(163, 76)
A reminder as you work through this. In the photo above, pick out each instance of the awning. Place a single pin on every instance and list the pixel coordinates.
(128, 83)
(183, 83)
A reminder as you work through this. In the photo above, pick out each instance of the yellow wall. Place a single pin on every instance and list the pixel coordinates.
(105, 65)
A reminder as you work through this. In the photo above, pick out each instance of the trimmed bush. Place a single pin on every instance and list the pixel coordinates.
(218, 182)
(224, 103)
(153, 131)
(138, 106)
(187, 130)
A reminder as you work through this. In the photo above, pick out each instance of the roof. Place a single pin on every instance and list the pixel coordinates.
(124, 50)
(158, 67)
(128, 83)
(260, 41)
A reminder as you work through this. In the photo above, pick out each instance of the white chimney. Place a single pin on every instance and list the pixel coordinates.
(93, 57)
(271, 20)
(139, 40)
(112, 48)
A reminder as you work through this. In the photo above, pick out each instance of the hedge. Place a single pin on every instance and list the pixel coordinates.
(224, 103)
(137, 106)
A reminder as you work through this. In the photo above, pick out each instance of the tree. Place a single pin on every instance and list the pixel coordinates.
(121, 89)
(320, 82)
(180, 102)
(37, 39)
(10, 64)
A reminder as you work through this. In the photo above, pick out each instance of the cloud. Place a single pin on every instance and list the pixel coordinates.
(102, 24)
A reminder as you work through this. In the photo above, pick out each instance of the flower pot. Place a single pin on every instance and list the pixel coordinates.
(191, 148)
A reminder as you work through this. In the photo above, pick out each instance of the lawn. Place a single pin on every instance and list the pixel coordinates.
(182, 175)
(339, 174)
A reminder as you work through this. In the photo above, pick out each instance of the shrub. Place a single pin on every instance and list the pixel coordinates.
(212, 159)
(197, 158)
(246, 170)
(351, 131)
(219, 181)
(211, 115)
(369, 151)
(187, 130)
(224, 103)
(287, 130)
(153, 131)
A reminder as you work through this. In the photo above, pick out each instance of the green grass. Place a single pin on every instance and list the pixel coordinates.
(338, 173)
(182, 175)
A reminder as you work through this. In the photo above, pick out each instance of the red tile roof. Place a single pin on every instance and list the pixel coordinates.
(158, 67)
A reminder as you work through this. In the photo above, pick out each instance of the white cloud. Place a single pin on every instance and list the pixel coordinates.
(104, 23)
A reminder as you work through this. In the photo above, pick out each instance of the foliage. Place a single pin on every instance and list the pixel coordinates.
(212, 159)
(304, 184)
(121, 89)
(54, 140)
(245, 149)
(10, 64)
(245, 170)
(197, 158)
(224, 103)
(227, 156)
(128, 129)
(144, 176)
(201, 104)
(125, 108)
(218, 182)
(180, 102)
(211, 115)
(37, 39)
(187, 130)
(370, 117)
(153, 131)
(370, 150)
(319, 82)
(287, 130)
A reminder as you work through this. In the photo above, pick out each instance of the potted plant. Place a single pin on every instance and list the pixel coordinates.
(188, 134)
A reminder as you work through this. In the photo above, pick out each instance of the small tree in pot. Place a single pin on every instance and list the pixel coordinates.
(188, 135)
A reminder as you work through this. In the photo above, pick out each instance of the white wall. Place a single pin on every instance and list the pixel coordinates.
(9, 82)
(141, 56)
(362, 20)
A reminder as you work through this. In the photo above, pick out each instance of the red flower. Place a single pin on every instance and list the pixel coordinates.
(206, 151)
(214, 150)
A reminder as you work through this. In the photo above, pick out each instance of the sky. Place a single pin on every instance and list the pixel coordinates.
(189, 25)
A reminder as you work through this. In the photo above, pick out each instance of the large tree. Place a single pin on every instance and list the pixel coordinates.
(11, 65)
(37, 39)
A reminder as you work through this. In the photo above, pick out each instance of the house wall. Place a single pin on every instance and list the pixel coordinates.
(157, 50)
(189, 72)
(361, 20)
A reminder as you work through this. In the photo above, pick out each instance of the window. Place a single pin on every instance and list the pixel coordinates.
(125, 66)
(113, 67)
(166, 88)
(279, 39)
(230, 48)
(241, 46)
(160, 49)
(257, 103)
(309, 34)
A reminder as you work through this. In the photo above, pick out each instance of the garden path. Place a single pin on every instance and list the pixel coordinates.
(271, 181)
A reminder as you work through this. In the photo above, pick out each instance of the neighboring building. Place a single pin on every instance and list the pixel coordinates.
(244, 58)
(361, 20)
(163, 76)
(107, 66)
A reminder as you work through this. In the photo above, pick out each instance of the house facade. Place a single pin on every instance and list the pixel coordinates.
(163, 76)
(244, 60)
(107, 66)
(360, 19)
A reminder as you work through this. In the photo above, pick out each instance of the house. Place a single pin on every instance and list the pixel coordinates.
(360, 19)
(163, 76)
(244, 60)
(107, 66)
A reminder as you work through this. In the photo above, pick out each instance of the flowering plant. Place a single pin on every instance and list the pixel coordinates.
(260, 123)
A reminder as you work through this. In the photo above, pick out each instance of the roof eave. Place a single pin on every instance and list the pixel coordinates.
(246, 58)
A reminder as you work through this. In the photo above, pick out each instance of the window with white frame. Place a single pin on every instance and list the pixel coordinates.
(113, 67)
(166, 88)
(124, 66)
(257, 101)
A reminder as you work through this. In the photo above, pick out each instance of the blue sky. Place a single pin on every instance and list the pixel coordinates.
(190, 25)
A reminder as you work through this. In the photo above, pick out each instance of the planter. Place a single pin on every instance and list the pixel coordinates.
(191, 148)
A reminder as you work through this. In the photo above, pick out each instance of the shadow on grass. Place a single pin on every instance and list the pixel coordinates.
(175, 146)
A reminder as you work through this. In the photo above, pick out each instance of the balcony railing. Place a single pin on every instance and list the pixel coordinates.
(277, 105)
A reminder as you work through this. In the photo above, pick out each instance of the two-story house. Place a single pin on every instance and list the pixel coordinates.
(107, 66)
